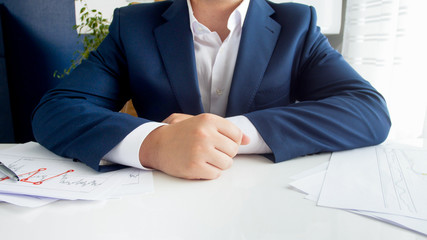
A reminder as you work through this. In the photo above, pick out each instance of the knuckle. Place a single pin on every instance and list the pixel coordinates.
(193, 165)
(240, 132)
(201, 134)
(173, 118)
(229, 164)
(235, 150)
(211, 175)
(216, 175)
(173, 121)
(239, 135)
(207, 116)
(196, 149)
(232, 150)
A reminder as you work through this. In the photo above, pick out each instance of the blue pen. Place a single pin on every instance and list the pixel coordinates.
(5, 170)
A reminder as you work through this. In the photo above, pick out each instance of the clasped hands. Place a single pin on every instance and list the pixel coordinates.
(192, 147)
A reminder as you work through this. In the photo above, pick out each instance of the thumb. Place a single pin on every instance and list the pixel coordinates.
(245, 140)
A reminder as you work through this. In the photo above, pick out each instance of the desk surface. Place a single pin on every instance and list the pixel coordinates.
(251, 200)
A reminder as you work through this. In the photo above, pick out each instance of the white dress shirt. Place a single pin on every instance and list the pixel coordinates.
(215, 61)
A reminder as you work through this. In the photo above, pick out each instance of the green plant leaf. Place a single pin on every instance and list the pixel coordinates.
(98, 26)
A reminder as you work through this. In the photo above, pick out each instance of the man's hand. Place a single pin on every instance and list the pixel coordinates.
(192, 147)
(176, 118)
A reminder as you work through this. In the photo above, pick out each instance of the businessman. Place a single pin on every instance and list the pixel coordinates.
(210, 79)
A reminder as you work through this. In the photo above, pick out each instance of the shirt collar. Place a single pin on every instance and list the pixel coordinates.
(237, 17)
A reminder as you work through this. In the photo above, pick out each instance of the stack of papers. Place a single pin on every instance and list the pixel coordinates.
(46, 177)
(388, 183)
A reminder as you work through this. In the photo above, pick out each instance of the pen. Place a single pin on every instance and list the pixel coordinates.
(8, 172)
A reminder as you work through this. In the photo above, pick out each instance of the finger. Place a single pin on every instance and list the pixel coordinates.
(229, 130)
(168, 119)
(172, 118)
(206, 171)
(225, 145)
(176, 118)
(245, 140)
(221, 125)
(220, 160)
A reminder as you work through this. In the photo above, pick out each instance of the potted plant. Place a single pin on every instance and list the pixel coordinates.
(96, 26)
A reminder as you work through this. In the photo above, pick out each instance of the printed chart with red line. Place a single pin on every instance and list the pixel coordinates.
(27, 179)
(46, 175)
(56, 178)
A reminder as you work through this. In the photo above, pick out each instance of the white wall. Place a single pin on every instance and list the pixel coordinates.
(328, 13)
(105, 6)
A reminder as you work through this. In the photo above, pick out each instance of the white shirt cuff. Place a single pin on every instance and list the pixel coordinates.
(257, 144)
(127, 151)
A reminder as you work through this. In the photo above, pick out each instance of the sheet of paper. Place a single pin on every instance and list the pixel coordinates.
(29, 149)
(26, 201)
(377, 179)
(312, 186)
(320, 168)
(45, 174)
(56, 178)
(135, 181)
(409, 223)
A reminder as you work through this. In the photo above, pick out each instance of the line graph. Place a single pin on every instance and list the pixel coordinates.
(46, 174)
(394, 183)
(32, 175)
(55, 177)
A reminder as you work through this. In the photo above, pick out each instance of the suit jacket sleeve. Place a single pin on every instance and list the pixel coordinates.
(79, 118)
(334, 107)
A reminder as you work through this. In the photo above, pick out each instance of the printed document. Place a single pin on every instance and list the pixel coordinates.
(45, 175)
(378, 179)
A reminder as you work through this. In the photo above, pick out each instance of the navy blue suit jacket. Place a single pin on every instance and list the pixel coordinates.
(298, 92)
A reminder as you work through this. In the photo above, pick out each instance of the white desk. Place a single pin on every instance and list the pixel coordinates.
(251, 200)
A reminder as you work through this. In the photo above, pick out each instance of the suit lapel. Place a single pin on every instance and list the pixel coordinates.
(175, 42)
(259, 37)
